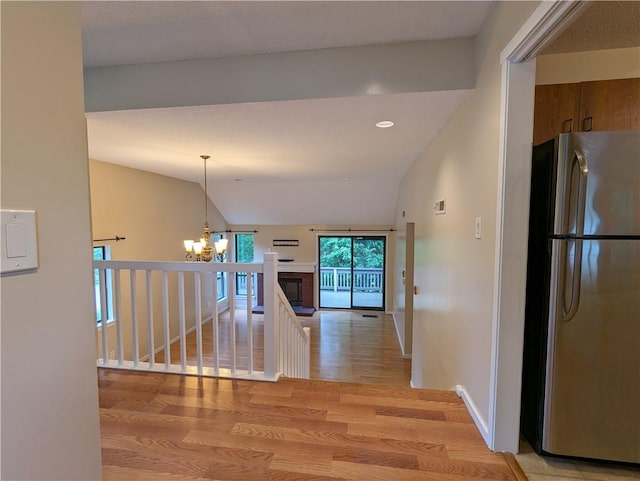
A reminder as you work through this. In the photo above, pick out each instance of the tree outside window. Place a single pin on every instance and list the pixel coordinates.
(244, 253)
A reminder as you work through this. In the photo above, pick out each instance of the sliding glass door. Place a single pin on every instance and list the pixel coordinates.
(352, 272)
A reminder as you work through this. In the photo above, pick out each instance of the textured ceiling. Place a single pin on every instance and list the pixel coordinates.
(116, 33)
(603, 25)
(294, 140)
(323, 141)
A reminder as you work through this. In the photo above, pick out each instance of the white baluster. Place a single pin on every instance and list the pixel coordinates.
(215, 325)
(165, 320)
(116, 313)
(134, 318)
(307, 352)
(271, 344)
(249, 323)
(198, 306)
(150, 338)
(103, 314)
(232, 318)
(182, 321)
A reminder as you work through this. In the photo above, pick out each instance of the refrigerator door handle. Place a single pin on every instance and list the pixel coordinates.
(568, 312)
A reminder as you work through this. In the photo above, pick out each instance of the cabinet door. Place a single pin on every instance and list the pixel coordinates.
(610, 105)
(556, 111)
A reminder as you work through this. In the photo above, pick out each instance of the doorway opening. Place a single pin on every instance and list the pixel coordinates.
(352, 272)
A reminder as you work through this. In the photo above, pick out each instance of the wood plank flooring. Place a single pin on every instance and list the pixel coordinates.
(169, 427)
(345, 346)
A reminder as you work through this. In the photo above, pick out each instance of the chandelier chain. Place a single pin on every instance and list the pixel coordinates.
(206, 201)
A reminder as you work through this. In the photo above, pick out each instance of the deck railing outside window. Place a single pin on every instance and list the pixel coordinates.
(340, 278)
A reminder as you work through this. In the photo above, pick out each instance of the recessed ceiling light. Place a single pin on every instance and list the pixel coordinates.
(384, 124)
(347, 178)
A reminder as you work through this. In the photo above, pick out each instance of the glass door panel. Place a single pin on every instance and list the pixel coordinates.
(368, 273)
(335, 272)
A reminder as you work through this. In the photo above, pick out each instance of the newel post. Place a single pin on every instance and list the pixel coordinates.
(271, 316)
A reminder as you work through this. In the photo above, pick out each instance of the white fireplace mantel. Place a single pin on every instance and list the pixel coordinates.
(296, 266)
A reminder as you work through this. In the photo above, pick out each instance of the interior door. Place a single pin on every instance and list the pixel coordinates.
(352, 272)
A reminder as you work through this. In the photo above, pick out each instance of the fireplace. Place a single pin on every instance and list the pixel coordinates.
(305, 282)
(292, 288)
(297, 286)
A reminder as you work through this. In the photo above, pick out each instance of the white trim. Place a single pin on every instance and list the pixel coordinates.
(411, 384)
(516, 111)
(497, 287)
(296, 266)
(481, 424)
(402, 350)
(180, 266)
(510, 260)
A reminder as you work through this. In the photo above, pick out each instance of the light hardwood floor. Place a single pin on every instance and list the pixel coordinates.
(170, 427)
(371, 426)
(345, 346)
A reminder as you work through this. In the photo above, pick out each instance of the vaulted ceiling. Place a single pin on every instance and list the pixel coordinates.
(283, 96)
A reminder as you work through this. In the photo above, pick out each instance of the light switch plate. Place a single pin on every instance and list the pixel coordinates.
(478, 227)
(19, 241)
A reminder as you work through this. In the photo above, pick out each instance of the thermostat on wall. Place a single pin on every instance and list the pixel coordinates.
(19, 242)
(439, 207)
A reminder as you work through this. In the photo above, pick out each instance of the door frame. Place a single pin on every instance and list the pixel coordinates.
(514, 174)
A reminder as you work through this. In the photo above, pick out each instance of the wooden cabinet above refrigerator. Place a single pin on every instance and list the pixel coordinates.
(586, 106)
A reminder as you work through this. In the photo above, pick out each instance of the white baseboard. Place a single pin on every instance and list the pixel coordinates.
(481, 424)
(402, 350)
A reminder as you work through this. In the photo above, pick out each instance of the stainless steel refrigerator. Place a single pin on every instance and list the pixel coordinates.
(581, 364)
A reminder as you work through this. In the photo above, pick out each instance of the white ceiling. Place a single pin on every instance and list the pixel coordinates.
(279, 150)
(131, 32)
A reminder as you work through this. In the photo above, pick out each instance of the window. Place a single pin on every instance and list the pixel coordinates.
(244, 253)
(101, 253)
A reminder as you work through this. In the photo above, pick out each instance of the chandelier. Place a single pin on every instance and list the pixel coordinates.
(202, 250)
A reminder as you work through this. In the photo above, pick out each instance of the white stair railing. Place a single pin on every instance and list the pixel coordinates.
(170, 300)
(295, 346)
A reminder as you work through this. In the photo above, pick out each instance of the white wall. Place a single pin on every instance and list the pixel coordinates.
(155, 213)
(588, 66)
(454, 272)
(50, 426)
